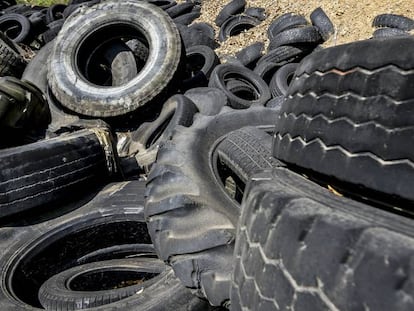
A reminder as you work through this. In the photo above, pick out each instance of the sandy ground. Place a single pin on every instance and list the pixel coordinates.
(352, 18)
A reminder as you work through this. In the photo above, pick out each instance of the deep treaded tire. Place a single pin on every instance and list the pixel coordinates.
(190, 216)
(349, 114)
(11, 62)
(300, 247)
(39, 173)
(110, 19)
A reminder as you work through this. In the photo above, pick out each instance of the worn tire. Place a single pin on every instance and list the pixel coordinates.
(393, 21)
(370, 148)
(234, 7)
(235, 25)
(11, 62)
(249, 55)
(190, 217)
(322, 22)
(284, 22)
(281, 80)
(81, 96)
(301, 247)
(306, 36)
(39, 173)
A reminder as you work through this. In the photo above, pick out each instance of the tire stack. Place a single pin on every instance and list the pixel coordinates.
(138, 172)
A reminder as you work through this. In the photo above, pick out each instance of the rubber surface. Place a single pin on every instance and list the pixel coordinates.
(326, 125)
(301, 247)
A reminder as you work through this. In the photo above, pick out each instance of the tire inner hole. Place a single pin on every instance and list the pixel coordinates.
(92, 61)
(230, 181)
(241, 87)
(239, 28)
(195, 63)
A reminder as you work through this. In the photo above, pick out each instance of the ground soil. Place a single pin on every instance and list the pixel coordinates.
(352, 18)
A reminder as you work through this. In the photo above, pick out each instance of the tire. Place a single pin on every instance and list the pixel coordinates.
(11, 62)
(201, 58)
(163, 4)
(35, 250)
(180, 9)
(235, 25)
(22, 35)
(74, 288)
(192, 223)
(281, 80)
(301, 247)
(322, 22)
(276, 103)
(196, 34)
(54, 29)
(55, 12)
(250, 54)
(342, 139)
(389, 32)
(259, 90)
(259, 13)
(234, 7)
(40, 173)
(307, 35)
(85, 98)
(147, 139)
(209, 100)
(285, 22)
(393, 21)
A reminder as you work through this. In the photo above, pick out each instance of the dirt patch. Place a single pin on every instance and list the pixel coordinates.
(352, 18)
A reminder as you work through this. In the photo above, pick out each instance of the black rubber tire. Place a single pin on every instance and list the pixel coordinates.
(139, 49)
(34, 249)
(249, 55)
(388, 32)
(308, 35)
(19, 20)
(322, 22)
(301, 247)
(54, 29)
(56, 293)
(180, 9)
(371, 148)
(280, 82)
(201, 58)
(188, 18)
(204, 28)
(147, 139)
(11, 61)
(55, 12)
(71, 8)
(84, 97)
(209, 100)
(284, 22)
(393, 21)
(259, 89)
(163, 4)
(196, 34)
(276, 103)
(234, 7)
(190, 217)
(45, 171)
(259, 13)
(235, 25)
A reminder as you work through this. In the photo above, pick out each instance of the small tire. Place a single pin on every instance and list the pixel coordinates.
(308, 35)
(393, 21)
(235, 25)
(282, 78)
(11, 61)
(284, 22)
(234, 7)
(322, 22)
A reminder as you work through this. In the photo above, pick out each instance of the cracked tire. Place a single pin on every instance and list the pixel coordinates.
(39, 173)
(11, 62)
(84, 96)
(190, 217)
(301, 247)
(348, 115)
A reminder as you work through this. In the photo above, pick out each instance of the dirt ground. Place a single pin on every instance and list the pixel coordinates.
(352, 18)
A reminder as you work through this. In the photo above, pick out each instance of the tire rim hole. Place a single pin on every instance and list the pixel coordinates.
(91, 63)
(195, 63)
(238, 29)
(60, 251)
(107, 280)
(11, 29)
(230, 182)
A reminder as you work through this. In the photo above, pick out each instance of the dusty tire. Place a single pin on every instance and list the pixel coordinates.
(370, 148)
(301, 247)
(11, 62)
(190, 216)
(79, 95)
(39, 173)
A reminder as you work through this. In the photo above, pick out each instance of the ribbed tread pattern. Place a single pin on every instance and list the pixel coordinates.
(11, 63)
(353, 118)
(299, 247)
(190, 217)
(39, 173)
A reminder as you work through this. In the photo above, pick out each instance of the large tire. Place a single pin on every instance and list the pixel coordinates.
(191, 218)
(301, 247)
(34, 251)
(37, 174)
(325, 124)
(139, 18)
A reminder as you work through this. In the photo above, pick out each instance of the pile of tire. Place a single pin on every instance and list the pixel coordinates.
(137, 172)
